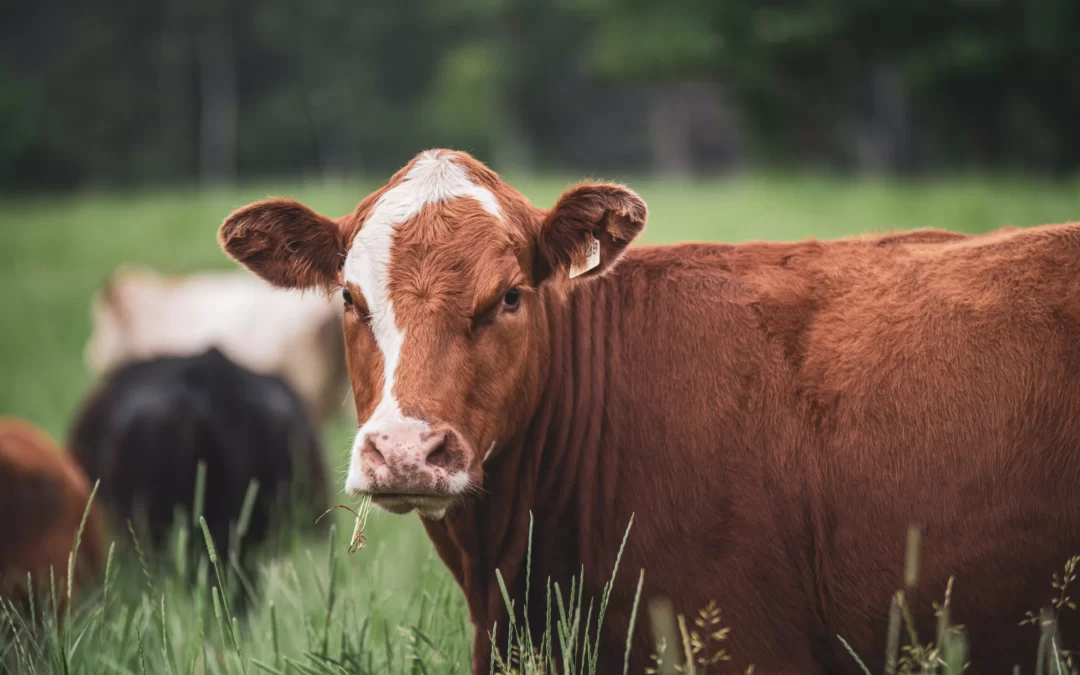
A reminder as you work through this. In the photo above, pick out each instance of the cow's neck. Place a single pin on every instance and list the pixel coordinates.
(540, 473)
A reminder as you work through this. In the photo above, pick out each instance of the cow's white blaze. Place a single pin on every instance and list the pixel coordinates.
(434, 177)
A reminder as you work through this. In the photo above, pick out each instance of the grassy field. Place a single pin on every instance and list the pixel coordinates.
(391, 607)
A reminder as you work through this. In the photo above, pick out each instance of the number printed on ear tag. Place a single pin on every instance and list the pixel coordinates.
(592, 257)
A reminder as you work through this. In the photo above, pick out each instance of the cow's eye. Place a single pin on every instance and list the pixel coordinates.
(511, 299)
(347, 296)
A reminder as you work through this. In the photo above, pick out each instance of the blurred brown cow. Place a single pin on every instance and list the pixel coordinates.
(43, 496)
(140, 314)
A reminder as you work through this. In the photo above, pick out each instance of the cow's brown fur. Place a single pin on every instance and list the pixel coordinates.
(774, 415)
(43, 495)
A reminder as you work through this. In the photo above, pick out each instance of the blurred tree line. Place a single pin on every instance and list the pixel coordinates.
(152, 91)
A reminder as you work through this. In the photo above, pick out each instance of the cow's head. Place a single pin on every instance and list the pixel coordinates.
(445, 272)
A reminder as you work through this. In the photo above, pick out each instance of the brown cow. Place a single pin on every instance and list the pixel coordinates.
(775, 415)
(43, 496)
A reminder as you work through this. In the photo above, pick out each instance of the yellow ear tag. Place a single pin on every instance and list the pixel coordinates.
(592, 257)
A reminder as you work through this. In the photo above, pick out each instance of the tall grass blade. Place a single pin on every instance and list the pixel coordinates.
(892, 644)
(633, 620)
(688, 651)
(607, 595)
(72, 558)
(215, 563)
(182, 551)
(528, 562)
(858, 661)
(548, 643)
(166, 641)
(505, 595)
(943, 615)
(330, 586)
(247, 508)
(954, 652)
(267, 668)
(561, 627)
(20, 651)
(1045, 633)
(30, 595)
(389, 647)
(239, 642)
(52, 594)
(142, 653)
(219, 616)
(274, 640)
(911, 563)
(665, 634)
(200, 492)
(142, 556)
(584, 660)
(528, 587)
(108, 570)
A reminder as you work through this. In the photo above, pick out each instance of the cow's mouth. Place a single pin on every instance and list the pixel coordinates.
(428, 505)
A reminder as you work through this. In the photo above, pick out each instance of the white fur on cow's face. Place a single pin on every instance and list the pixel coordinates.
(434, 177)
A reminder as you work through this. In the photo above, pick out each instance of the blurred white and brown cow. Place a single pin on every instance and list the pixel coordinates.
(773, 415)
(141, 314)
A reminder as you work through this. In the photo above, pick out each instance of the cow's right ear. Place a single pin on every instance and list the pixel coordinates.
(285, 243)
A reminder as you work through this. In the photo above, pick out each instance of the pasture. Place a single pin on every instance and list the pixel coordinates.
(391, 607)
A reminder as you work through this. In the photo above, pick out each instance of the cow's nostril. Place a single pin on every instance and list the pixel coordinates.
(372, 455)
(438, 456)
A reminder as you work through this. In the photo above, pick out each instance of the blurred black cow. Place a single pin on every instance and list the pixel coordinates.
(146, 426)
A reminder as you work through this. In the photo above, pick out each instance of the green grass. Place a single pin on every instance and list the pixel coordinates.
(392, 602)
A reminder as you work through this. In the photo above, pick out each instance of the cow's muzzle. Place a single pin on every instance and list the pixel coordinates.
(408, 466)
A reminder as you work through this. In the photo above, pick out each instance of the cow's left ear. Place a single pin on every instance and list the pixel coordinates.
(588, 229)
